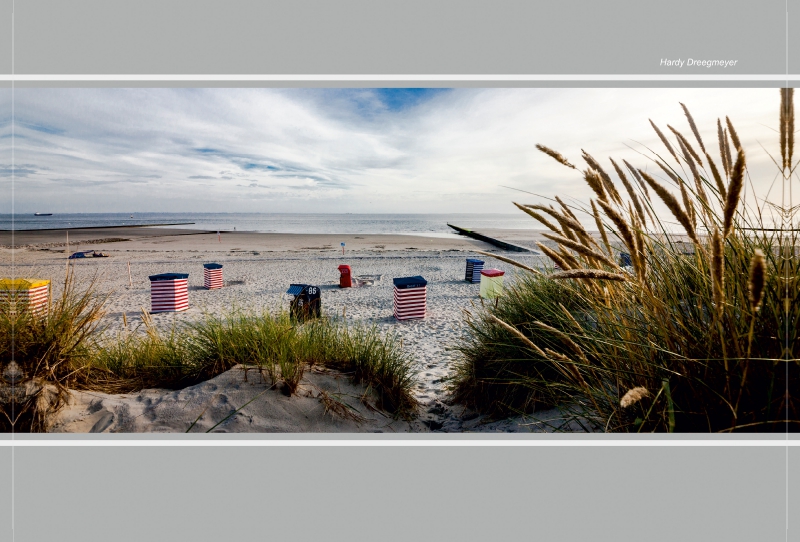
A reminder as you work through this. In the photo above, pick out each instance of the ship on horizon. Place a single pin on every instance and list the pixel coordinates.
(42, 214)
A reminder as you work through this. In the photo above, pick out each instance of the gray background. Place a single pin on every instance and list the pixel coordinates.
(397, 493)
(5, 493)
(5, 36)
(793, 17)
(443, 493)
(391, 37)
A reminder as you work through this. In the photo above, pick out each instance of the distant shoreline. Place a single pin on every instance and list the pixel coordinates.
(100, 227)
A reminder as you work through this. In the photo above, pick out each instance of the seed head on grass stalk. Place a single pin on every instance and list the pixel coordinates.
(624, 230)
(509, 260)
(601, 228)
(698, 185)
(569, 258)
(680, 184)
(686, 147)
(724, 155)
(786, 121)
(568, 212)
(693, 127)
(633, 396)
(533, 214)
(555, 256)
(566, 339)
(557, 156)
(728, 155)
(734, 136)
(664, 140)
(608, 184)
(787, 127)
(717, 179)
(581, 249)
(638, 178)
(514, 331)
(758, 271)
(631, 192)
(673, 205)
(595, 182)
(568, 225)
(588, 274)
(734, 191)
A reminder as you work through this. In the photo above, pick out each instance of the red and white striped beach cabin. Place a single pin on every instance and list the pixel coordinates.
(169, 292)
(410, 297)
(212, 276)
(25, 294)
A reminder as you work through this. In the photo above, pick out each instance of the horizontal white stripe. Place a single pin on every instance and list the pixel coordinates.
(550, 440)
(399, 77)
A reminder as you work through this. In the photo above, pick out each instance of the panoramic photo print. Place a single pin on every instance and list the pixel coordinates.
(191, 260)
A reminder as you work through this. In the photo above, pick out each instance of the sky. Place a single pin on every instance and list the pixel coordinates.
(344, 150)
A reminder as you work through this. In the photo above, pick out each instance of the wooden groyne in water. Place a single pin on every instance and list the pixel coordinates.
(486, 239)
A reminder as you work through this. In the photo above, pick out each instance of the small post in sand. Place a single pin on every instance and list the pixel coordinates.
(130, 278)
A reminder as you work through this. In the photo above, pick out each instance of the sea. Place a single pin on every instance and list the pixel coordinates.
(429, 225)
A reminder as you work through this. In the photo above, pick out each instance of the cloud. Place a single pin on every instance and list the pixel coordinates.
(40, 127)
(358, 150)
(21, 170)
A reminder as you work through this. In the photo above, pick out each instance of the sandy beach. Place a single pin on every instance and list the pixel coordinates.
(258, 269)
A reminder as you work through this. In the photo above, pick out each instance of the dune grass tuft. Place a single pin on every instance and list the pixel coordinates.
(272, 344)
(43, 357)
(700, 336)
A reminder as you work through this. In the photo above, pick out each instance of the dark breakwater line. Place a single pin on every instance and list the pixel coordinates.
(486, 239)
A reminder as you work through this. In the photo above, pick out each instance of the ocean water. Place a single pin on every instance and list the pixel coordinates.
(415, 224)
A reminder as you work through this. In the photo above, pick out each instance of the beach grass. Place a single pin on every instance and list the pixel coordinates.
(43, 355)
(698, 334)
(68, 348)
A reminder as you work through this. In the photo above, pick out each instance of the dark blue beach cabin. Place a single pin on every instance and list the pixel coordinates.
(474, 268)
(306, 302)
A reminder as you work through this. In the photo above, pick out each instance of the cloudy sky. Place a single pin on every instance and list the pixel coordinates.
(343, 150)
